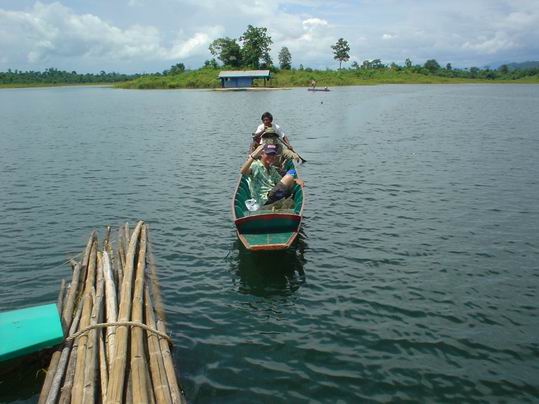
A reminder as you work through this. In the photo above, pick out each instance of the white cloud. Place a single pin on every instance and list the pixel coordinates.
(51, 32)
(312, 23)
(490, 46)
(137, 35)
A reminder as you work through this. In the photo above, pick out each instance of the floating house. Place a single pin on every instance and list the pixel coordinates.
(242, 78)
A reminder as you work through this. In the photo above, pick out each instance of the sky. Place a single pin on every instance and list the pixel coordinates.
(137, 36)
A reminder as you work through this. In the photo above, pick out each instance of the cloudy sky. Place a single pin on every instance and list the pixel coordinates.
(147, 36)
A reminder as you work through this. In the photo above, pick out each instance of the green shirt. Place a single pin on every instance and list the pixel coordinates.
(261, 181)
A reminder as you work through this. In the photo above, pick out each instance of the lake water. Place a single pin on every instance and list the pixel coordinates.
(417, 273)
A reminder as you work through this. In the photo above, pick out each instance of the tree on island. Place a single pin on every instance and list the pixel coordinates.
(256, 47)
(285, 58)
(212, 63)
(175, 69)
(227, 50)
(504, 69)
(432, 65)
(340, 51)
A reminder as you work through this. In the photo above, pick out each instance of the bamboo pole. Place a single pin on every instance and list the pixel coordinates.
(62, 363)
(92, 346)
(117, 377)
(61, 294)
(103, 371)
(69, 303)
(126, 237)
(138, 371)
(106, 238)
(112, 307)
(129, 388)
(73, 263)
(120, 256)
(60, 303)
(76, 280)
(157, 366)
(86, 259)
(50, 376)
(150, 384)
(78, 385)
(65, 396)
(177, 396)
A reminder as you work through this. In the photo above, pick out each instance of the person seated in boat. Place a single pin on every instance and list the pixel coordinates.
(266, 184)
(269, 133)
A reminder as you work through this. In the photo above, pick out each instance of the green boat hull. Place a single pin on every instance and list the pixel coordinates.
(29, 330)
(266, 230)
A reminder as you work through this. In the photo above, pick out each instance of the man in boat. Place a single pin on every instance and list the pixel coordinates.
(271, 133)
(266, 184)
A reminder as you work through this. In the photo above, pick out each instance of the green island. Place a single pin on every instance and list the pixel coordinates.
(206, 77)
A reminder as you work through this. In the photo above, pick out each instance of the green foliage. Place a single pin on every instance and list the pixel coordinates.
(432, 65)
(227, 50)
(340, 51)
(178, 68)
(285, 58)
(377, 64)
(256, 47)
(474, 72)
(408, 63)
(52, 76)
(212, 63)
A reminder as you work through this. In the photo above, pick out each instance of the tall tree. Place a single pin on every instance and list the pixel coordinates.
(340, 51)
(227, 50)
(256, 47)
(432, 65)
(176, 69)
(285, 58)
(504, 69)
(408, 63)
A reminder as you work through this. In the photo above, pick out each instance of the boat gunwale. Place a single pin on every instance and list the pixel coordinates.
(268, 247)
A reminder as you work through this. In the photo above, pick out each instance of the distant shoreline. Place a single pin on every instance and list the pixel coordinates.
(135, 85)
(47, 85)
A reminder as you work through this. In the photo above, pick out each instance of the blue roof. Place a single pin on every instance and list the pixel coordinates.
(244, 73)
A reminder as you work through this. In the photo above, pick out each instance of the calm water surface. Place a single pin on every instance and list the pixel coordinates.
(417, 274)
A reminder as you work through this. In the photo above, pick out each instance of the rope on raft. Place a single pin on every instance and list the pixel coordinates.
(119, 324)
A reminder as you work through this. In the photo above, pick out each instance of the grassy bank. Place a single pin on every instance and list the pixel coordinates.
(207, 78)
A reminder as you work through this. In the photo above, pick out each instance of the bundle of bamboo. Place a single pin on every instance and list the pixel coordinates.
(116, 348)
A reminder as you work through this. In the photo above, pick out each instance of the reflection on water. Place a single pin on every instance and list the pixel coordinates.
(269, 273)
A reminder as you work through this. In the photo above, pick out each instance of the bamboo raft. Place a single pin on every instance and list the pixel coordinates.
(116, 348)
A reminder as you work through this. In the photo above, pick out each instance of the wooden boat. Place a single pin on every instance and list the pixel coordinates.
(318, 89)
(29, 330)
(266, 229)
